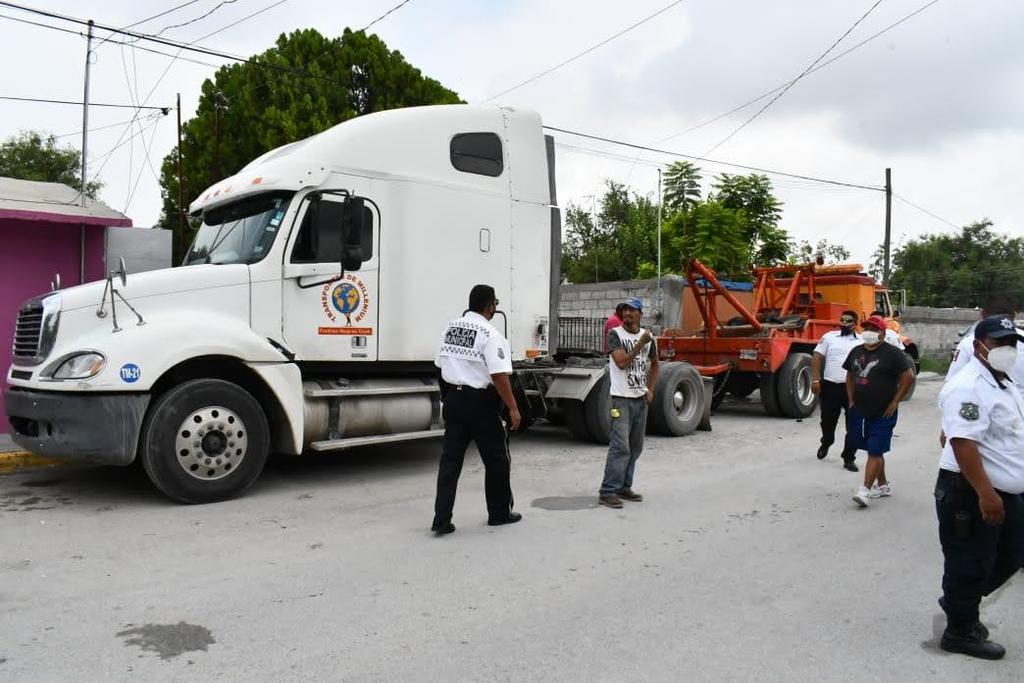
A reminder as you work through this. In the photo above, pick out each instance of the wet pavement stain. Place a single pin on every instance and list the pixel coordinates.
(565, 503)
(168, 640)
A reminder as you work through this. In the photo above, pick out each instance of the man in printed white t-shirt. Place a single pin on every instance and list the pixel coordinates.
(633, 373)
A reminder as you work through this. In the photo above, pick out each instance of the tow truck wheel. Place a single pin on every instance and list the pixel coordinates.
(678, 402)
(793, 384)
(205, 440)
(913, 363)
(574, 420)
(769, 395)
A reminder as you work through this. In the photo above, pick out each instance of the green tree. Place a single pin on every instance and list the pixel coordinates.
(959, 269)
(681, 186)
(33, 155)
(246, 110)
(753, 195)
(805, 252)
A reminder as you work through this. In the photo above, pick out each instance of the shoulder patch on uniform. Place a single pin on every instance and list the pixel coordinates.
(501, 353)
(969, 411)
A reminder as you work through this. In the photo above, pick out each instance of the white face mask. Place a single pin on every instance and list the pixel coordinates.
(1002, 358)
(870, 337)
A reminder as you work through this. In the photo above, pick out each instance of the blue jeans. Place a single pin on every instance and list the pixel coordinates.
(629, 422)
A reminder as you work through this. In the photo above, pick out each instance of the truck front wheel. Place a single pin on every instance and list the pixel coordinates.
(205, 440)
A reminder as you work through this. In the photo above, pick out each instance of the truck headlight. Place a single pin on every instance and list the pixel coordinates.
(80, 366)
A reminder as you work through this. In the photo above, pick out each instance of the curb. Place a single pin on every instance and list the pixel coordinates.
(17, 461)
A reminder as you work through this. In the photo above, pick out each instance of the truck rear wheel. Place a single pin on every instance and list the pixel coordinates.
(769, 395)
(793, 386)
(912, 363)
(597, 410)
(678, 402)
(205, 440)
(574, 420)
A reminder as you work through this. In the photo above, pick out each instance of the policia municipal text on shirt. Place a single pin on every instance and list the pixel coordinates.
(474, 363)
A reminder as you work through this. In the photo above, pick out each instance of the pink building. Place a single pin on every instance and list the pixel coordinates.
(45, 230)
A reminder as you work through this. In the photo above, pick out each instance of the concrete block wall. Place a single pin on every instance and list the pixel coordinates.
(936, 330)
(598, 300)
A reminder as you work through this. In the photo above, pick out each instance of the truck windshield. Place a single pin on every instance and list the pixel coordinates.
(241, 232)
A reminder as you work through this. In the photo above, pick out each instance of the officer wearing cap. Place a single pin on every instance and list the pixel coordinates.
(632, 374)
(981, 476)
(474, 363)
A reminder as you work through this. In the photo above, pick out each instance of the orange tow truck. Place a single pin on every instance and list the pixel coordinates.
(767, 345)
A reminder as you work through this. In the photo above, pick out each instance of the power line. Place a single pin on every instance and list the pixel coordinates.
(925, 211)
(814, 70)
(795, 80)
(196, 19)
(385, 15)
(165, 12)
(93, 130)
(79, 104)
(715, 161)
(585, 52)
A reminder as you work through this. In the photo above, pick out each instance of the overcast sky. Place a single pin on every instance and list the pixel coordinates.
(939, 98)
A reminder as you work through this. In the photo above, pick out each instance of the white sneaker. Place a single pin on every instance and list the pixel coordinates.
(875, 492)
(885, 490)
(862, 496)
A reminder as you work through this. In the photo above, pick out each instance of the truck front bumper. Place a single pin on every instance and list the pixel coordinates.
(97, 428)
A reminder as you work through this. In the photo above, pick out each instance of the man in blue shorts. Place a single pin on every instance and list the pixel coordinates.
(878, 376)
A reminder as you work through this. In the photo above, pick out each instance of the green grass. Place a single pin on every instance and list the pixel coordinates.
(939, 365)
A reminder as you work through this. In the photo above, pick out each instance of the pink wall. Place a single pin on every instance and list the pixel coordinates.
(31, 252)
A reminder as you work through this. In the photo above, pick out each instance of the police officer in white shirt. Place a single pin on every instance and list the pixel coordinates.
(981, 477)
(829, 382)
(997, 304)
(474, 362)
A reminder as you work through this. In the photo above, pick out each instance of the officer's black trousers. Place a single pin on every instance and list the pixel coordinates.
(833, 402)
(474, 415)
(979, 557)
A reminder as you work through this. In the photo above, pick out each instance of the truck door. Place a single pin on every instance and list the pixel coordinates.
(329, 315)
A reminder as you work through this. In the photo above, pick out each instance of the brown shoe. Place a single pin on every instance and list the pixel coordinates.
(611, 500)
(630, 494)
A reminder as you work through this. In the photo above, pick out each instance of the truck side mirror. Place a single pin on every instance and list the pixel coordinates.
(356, 234)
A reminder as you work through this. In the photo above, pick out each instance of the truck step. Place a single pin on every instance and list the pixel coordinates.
(356, 441)
(348, 392)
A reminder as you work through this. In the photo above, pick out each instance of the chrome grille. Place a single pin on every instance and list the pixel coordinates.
(28, 330)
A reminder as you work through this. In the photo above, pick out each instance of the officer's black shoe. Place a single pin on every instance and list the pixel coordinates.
(971, 644)
(850, 465)
(822, 452)
(512, 518)
(442, 529)
(979, 628)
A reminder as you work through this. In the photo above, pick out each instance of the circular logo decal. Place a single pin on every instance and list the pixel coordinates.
(130, 373)
(346, 299)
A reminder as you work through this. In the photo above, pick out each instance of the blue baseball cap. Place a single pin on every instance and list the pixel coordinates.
(634, 303)
(996, 327)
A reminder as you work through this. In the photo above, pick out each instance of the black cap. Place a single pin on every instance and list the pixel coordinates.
(996, 327)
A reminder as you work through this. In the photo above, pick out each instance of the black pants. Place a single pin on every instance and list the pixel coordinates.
(474, 415)
(833, 402)
(979, 557)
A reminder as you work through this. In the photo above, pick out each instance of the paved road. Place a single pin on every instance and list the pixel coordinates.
(747, 561)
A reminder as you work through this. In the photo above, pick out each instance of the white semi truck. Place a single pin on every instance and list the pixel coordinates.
(307, 312)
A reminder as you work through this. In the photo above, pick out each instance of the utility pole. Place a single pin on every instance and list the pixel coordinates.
(659, 242)
(888, 225)
(85, 106)
(178, 234)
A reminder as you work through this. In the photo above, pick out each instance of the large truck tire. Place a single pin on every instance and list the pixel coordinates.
(597, 410)
(205, 440)
(769, 395)
(678, 404)
(575, 421)
(793, 386)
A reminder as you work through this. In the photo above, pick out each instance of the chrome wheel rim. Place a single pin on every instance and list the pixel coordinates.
(211, 443)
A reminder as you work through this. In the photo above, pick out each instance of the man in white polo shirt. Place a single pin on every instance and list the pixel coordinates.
(829, 382)
(474, 362)
(981, 477)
